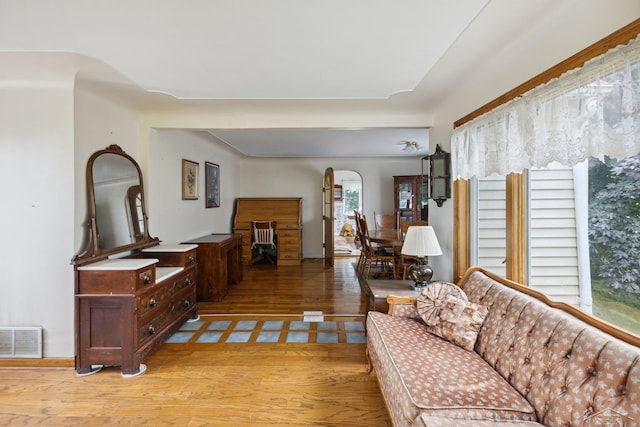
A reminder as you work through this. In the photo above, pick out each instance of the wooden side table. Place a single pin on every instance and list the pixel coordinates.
(219, 265)
(378, 289)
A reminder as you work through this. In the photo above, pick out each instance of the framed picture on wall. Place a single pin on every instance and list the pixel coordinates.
(189, 180)
(212, 184)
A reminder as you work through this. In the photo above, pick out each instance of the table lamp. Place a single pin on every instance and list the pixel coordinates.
(420, 242)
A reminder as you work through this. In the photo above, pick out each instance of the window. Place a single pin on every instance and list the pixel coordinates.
(571, 232)
(614, 240)
(352, 194)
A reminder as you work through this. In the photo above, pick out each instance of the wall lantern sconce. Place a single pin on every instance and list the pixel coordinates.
(439, 168)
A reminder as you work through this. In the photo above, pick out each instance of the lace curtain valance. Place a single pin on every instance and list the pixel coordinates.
(590, 111)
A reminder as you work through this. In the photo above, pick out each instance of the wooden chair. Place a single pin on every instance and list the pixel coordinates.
(263, 233)
(386, 221)
(386, 261)
(358, 241)
(406, 224)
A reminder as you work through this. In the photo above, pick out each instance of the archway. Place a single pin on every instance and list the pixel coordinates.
(348, 197)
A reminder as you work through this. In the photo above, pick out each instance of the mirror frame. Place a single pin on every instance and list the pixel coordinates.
(92, 251)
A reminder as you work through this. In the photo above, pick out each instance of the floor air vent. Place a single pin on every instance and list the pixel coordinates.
(20, 342)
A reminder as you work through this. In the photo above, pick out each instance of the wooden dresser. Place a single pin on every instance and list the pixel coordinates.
(127, 307)
(131, 292)
(285, 211)
(219, 265)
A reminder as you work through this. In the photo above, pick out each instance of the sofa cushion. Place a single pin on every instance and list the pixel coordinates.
(459, 321)
(445, 308)
(431, 299)
(420, 372)
(426, 420)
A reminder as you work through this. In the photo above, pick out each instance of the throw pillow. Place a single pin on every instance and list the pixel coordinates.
(459, 321)
(430, 300)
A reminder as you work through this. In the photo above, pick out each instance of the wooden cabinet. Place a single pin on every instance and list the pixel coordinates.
(219, 265)
(287, 214)
(127, 307)
(411, 196)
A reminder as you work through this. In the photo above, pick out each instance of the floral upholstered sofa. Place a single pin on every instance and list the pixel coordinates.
(493, 352)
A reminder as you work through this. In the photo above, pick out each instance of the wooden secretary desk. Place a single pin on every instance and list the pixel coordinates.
(285, 211)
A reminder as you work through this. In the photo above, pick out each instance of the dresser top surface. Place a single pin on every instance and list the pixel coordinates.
(212, 238)
(171, 248)
(119, 264)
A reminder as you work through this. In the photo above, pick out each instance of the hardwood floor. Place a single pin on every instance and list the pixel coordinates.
(223, 384)
(293, 289)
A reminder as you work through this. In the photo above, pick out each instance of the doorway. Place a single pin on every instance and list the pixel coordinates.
(348, 197)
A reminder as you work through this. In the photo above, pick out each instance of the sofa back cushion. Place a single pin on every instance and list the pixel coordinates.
(572, 373)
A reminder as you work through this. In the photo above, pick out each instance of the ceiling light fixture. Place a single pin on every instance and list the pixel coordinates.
(411, 146)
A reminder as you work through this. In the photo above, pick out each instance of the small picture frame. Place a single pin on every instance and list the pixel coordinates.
(212, 185)
(189, 180)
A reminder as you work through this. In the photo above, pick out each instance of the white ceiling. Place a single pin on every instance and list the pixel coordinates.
(396, 56)
(319, 142)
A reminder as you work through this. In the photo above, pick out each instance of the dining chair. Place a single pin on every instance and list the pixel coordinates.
(404, 226)
(384, 260)
(358, 241)
(386, 221)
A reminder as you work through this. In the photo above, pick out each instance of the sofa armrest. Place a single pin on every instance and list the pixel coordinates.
(402, 306)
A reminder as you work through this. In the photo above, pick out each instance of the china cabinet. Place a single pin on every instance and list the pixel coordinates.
(410, 197)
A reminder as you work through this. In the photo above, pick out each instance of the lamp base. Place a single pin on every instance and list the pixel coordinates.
(420, 273)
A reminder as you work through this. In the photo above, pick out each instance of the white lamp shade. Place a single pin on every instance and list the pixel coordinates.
(421, 241)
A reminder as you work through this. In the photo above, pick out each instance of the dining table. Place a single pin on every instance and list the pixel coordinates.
(387, 237)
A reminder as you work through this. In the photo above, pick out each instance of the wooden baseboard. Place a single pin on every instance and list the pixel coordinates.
(48, 362)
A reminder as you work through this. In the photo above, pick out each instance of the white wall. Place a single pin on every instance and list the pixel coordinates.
(101, 120)
(172, 219)
(296, 177)
(36, 219)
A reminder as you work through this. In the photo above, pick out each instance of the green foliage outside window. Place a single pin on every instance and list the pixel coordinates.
(614, 224)
(614, 240)
(351, 201)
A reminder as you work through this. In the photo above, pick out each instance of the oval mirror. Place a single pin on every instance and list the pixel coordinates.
(118, 220)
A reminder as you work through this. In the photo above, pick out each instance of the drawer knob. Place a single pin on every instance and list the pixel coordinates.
(187, 281)
(152, 330)
(187, 303)
(146, 278)
(191, 259)
(152, 302)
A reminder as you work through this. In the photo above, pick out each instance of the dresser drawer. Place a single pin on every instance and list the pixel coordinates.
(166, 314)
(288, 241)
(172, 255)
(161, 297)
(156, 299)
(117, 276)
(287, 233)
(146, 278)
(289, 253)
(184, 281)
